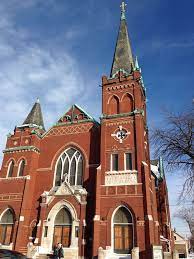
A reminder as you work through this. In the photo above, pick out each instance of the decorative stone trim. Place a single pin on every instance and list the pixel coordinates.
(136, 111)
(119, 87)
(140, 223)
(10, 197)
(149, 217)
(121, 122)
(21, 149)
(27, 177)
(96, 218)
(70, 129)
(114, 178)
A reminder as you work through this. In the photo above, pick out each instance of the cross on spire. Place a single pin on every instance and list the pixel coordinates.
(123, 10)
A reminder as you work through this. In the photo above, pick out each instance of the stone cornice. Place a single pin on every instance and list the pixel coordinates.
(120, 115)
(21, 149)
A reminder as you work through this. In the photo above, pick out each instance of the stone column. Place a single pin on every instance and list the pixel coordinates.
(100, 253)
(135, 253)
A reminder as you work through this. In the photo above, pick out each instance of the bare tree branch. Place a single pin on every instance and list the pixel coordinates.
(174, 142)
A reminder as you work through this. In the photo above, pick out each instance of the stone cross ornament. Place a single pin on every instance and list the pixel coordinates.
(120, 134)
(123, 10)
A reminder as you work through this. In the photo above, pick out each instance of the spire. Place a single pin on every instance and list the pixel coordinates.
(123, 58)
(137, 64)
(35, 116)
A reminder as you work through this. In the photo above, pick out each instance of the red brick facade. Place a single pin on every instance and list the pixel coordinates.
(122, 131)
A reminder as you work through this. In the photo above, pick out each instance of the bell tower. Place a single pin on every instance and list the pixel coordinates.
(124, 177)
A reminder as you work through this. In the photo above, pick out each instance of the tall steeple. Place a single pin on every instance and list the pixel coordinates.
(123, 58)
(35, 116)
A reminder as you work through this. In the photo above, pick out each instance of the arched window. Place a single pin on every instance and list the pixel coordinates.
(123, 231)
(69, 167)
(21, 168)
(6, 227)
(113, 106)
(10, 169)
(127, 104)
(63, 228)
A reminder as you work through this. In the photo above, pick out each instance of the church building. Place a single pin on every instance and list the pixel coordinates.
(89, 185)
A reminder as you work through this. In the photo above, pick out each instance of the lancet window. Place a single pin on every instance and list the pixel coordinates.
(21, 168)
(10, 169)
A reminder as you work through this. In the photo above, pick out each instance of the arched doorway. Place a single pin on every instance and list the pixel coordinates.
(6, 227)
(63, 228)
(123, 230)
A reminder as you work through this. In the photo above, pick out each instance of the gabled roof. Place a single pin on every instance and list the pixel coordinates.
(35, 116)
(75, 114)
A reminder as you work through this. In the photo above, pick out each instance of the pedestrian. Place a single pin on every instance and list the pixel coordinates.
(56, 251)
(60, 251)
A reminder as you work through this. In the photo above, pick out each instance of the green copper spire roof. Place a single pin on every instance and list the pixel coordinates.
(35, 116)
(123, 58)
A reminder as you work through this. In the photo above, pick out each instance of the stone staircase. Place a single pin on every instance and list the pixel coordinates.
(23, 250)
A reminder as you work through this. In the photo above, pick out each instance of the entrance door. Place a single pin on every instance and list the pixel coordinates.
(62, 234)
(123, 242)
(62, 228)
(123, 231)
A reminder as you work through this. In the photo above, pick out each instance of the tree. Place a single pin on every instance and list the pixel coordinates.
(187, 214)
(174, 142)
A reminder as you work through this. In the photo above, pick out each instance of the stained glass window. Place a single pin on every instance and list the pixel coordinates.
(69, 167)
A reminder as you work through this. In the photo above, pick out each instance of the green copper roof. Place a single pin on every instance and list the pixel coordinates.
(35, 116)
(123, 58)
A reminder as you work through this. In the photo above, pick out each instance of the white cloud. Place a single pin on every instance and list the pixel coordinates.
(29, 70)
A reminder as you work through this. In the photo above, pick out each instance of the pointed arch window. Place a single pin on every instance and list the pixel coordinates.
(69, 167)
(63, 228)
(6, 227)
(10, 169)
(123, 231)
(21, 167)
(113, 106)
(127, 104)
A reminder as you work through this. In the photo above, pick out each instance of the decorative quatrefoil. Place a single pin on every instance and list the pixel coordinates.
(120, 134)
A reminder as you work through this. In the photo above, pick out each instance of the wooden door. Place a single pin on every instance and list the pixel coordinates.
(8, 235)
(123, 239)
(66, 236)
(57, 235)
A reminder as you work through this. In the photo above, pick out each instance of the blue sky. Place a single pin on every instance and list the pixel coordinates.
(58, 50)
